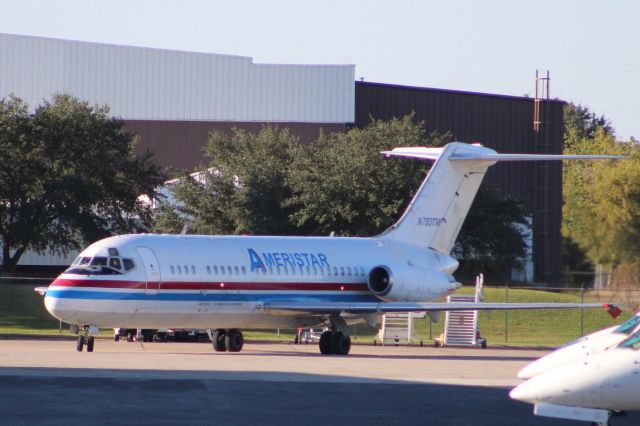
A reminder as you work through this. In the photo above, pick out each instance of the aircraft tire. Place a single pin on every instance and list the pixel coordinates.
(80, 343)
(219, 340)
(90, 343)
(341, 344)
(326, 343)
(234, 340)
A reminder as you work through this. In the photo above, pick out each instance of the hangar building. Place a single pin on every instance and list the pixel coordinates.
(172, 99)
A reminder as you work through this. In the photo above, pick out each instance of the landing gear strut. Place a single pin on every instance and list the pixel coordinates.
(85, 339)
(223, 340)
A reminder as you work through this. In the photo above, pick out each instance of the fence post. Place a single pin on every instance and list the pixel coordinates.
(506, 313)
(582, 311)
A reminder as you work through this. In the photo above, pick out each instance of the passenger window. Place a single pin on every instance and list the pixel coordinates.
(335, 271)
(342, 271)
(215, 269)
(244, 270)
(315, 271)
(222, 270)
(208, 270)
(193, 269)
(308, 271)
(173, 271)
(235, 269)
(349, 270)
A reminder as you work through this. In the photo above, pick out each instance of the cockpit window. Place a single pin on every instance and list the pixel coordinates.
(128, 264)
(632, 342)
(629, 325)
(98, 261)
(114, 262)
(100, 265)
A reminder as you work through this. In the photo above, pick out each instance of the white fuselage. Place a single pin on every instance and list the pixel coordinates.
(609, 380)
(223, 282)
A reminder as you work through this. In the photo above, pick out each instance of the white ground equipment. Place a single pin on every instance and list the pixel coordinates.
(461, 327)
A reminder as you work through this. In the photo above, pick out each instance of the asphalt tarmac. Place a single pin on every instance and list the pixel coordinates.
(48, 383)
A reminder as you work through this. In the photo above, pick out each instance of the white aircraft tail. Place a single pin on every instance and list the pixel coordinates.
(435, 215)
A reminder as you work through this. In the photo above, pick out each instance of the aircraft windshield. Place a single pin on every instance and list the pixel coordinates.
(629, 325)
(101, 265)
(632, 342)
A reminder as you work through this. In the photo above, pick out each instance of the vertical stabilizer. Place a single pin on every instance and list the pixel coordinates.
(436, 213)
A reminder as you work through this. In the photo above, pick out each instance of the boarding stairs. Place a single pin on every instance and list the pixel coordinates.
(398, 328)
(461, 327)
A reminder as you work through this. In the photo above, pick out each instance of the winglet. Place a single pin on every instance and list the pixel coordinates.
(612, 310)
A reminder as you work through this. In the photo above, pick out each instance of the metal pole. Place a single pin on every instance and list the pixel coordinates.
(506, 313)
(582, 311)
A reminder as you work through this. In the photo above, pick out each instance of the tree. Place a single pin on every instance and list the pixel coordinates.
(580, 123)
(69, 175)
(245, 188)
(492, 236)
(345, 185)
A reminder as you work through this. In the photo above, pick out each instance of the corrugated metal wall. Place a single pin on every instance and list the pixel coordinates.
(154, 84)
(503, 123)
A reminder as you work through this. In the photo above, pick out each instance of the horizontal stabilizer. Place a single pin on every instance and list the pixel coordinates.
(318, 308)
(434, 153)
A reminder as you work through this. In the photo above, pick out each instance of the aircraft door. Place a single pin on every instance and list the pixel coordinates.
(152, 269)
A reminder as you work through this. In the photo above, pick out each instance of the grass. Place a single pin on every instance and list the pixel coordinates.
(22, 312)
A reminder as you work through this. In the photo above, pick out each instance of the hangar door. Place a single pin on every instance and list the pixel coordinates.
(151, 267)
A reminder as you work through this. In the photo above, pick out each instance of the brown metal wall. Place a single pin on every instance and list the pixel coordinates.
(179, 144)
(503, 123)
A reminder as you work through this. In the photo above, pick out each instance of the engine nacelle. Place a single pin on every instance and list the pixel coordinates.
(409, 283)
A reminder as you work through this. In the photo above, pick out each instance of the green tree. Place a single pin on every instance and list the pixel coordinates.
(245, 188)
(492, 237)
(345, 185)
(68, 176)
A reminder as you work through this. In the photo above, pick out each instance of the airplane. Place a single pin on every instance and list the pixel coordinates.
(590, 389)
(228, 283)
(585, 346)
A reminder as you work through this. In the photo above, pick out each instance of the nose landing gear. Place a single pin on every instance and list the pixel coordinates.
(85, 338)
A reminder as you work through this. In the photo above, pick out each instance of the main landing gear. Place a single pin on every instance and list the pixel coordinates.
(334, 343)
(336, 340)
(85, 338)
(226, 340)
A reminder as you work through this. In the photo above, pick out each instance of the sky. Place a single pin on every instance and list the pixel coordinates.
(591, 48)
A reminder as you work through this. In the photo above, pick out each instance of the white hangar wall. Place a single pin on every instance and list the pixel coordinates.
(154, 84)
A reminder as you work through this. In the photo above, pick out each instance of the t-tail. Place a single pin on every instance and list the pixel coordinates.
(435, 215)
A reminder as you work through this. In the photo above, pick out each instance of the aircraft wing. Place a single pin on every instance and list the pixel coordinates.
(319, 308)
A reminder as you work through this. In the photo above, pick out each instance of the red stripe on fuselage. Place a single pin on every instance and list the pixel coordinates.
(210, 286)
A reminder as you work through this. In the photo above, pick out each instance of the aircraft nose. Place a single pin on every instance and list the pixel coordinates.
(526, 392)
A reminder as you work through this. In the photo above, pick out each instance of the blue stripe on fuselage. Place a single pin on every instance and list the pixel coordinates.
(199, 297)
